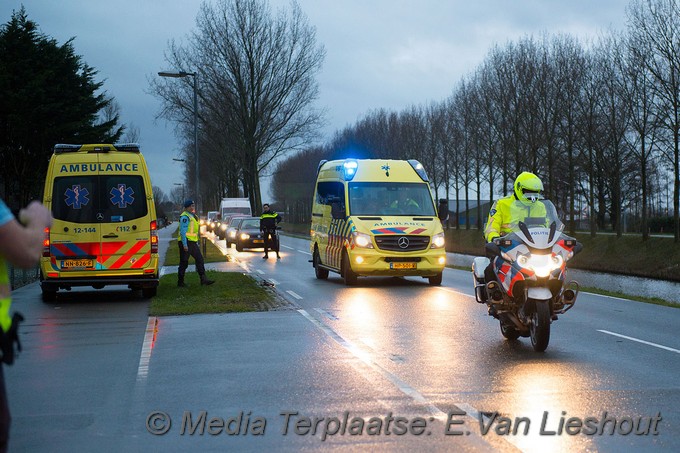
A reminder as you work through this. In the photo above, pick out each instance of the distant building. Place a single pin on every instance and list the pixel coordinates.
(457, 208)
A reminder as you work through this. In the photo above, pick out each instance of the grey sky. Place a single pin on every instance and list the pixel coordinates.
(380, 53)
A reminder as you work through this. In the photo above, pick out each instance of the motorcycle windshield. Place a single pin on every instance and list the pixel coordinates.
(536, 222)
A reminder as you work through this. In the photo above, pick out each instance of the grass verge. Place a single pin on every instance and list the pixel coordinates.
(232, 291)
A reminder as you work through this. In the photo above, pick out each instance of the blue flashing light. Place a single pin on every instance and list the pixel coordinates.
(350, 168)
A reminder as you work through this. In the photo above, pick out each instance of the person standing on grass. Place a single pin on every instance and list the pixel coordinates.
(187, 239)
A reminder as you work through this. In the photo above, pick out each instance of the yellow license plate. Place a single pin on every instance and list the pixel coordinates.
(77, 264)
(402, 265)
(258, 241)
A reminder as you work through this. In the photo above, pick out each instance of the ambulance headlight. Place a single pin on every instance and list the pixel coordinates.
(438, 241)
(362, 240)
(350, 169)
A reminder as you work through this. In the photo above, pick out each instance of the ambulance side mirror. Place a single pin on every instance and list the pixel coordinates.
(443, 209)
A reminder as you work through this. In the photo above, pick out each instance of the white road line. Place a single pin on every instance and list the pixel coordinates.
(273, 281)
(147, 346)
(294, 294)
(259, 271)
(305, 252)
(404, 387)
(449, 290)
(649, 343)
(327, 314)
(285, 246)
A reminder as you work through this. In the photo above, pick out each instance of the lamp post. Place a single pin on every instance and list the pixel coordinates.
(195, 76)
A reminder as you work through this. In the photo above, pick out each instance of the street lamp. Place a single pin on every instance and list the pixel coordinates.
(195, 76)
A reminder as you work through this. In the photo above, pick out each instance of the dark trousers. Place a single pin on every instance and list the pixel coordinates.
(195, 251)
(270, 235)
(4, 414)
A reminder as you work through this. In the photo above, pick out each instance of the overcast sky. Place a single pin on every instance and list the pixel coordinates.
(379, 53)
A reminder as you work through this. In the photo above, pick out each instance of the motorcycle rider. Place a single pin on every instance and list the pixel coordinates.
(268, 222)
(527, 190)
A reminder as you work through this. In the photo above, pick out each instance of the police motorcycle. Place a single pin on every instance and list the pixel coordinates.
(529, 266)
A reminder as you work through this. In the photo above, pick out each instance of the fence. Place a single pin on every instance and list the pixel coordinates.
(22, 277)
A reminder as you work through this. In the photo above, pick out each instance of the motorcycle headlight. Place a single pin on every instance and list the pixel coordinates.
(542, 265)
(223, 227)
(362, 240)
(438, 241)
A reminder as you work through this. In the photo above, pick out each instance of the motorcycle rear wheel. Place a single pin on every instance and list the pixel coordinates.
(539, 329)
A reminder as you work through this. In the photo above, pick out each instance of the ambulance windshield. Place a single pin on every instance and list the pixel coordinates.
(390, 199)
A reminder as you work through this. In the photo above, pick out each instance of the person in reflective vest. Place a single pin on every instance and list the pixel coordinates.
(21, 245)
(268, 222)
(187, 240)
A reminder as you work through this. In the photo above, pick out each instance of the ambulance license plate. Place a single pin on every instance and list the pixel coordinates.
(77, 264)
(402, 265)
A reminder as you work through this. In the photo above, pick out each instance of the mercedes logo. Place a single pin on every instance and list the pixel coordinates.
(100, 216)
(403, 242)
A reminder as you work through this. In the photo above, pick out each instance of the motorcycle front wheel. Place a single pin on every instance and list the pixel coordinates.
(539, 329)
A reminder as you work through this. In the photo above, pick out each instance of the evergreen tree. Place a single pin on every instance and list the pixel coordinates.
(48, 95)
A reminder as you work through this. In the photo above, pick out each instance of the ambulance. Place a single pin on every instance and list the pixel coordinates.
(376, 217)
(104, 230)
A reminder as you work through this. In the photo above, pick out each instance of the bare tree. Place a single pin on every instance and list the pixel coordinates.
(257, 73)
(656, 23)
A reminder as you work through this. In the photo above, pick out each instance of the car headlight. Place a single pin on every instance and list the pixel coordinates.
(223, 227)
(245, 236)
(438, 241)
(362, 240)
(232, 234)
(542, 265)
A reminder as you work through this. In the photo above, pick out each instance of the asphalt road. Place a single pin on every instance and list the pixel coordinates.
(339, 369)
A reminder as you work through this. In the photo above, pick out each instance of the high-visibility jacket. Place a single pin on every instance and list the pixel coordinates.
(269, 220)
(188, 228)
(5, 297)
(504, 214)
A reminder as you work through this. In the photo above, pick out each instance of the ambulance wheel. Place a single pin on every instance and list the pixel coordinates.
(321, 273)
(435, 280)
(49, 295)
(347, 272)
(148, 293)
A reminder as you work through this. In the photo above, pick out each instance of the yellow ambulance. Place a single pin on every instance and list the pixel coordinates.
(376, 217)
(104, 230)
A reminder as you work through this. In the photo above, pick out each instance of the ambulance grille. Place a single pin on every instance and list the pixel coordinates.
(395, 243)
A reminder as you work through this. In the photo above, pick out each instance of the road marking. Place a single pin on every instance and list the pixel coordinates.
(443, 288)
(404, 387)
(273, 281)
(327, 314)
(649, 343)
(294, 294)
(147, 346)
(291, 248)
(260, 271)
(305, 252)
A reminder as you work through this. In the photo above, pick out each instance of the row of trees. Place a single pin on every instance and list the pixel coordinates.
(48, 95)
(256, 71)
(599, 123)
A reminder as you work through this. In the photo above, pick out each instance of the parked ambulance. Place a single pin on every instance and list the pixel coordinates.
(104, 230)
(376, 218)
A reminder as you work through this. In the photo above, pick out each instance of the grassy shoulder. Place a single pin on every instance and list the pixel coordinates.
(232, 291)
(629, 255)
